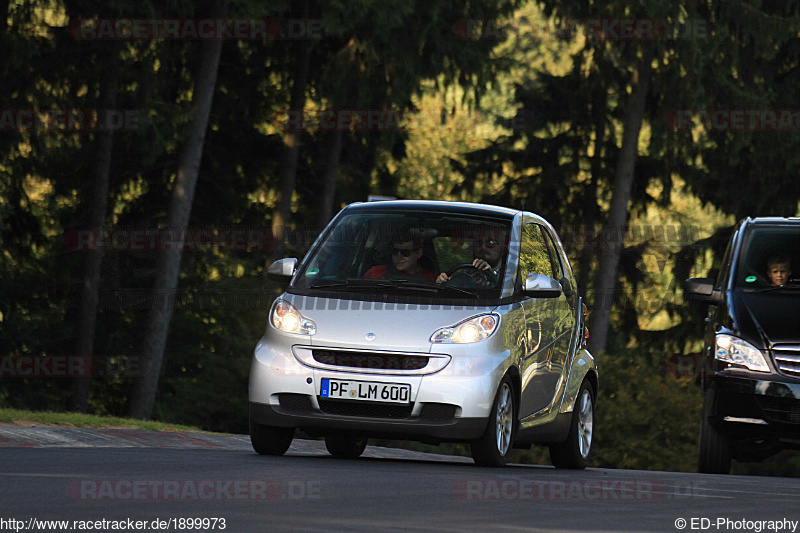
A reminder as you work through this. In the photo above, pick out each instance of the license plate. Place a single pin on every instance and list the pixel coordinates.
(371, 391)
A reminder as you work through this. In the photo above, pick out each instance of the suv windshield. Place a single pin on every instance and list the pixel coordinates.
(770, 258)
(384, 251)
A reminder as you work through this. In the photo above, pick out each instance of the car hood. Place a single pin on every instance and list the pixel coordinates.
(771, 317)
(404, 327)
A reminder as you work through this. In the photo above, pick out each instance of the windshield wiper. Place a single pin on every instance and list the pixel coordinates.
(385, 284)
(355, 283)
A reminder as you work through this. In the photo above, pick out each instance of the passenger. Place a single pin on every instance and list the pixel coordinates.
(779, 269)
(488, 251)
(406, 251)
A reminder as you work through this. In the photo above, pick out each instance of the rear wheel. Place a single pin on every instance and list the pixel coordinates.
(715, 447)
(493, 447)
(270, 440)
(576, 451)
(345, 447)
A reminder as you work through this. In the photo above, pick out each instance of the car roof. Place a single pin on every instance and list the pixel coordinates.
(772, 220)
(436, 205)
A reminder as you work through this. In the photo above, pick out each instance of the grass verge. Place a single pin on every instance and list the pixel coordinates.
(17, 417)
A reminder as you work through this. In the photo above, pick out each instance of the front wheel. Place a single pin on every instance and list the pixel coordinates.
(715, 448)
(493, 446)
(270, 440)
(345, 447)
(576, 451)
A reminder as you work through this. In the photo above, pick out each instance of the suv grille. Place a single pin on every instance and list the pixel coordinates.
(787, 357)
(370, 360)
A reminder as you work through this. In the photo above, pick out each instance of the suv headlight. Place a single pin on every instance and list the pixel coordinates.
(286, 317)
(734, 350)
(472, 330)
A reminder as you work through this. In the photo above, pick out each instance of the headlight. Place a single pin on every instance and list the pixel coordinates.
(473, 330)
(286, 317)
(734, 350)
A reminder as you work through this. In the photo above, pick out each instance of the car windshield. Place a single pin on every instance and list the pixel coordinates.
(770, 258)
(385, 251)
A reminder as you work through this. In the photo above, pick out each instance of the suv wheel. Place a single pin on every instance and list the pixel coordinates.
(270, 440)
(345, 447)
(493, 447)
(576, 451)
(715, 448)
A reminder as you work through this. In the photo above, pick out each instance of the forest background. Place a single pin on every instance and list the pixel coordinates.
(642, 130)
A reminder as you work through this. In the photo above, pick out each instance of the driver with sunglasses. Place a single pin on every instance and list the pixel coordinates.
(488, 252)
(406, 251)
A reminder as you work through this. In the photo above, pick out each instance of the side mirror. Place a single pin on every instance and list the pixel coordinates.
(541, 286)
(282, 269)
(701, 289)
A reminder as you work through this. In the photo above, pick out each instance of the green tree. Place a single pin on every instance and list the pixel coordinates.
(157, 327)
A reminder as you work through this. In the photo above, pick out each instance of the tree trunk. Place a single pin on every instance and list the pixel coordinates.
(4, 4)
(157, 327)
(599, 109)
(291, 149)
(611, 241)
(329, 178)
(98, 205)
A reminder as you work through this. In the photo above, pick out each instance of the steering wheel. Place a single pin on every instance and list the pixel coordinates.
(476, 275)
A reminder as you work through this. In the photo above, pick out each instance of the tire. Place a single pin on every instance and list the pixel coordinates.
(270, 440)
(493, 447)
(576, 451)
(715, 448)
(345, 447)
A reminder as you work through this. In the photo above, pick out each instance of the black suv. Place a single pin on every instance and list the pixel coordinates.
(751, 376)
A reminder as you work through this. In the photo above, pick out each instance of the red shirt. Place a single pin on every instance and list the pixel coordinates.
(382, 271)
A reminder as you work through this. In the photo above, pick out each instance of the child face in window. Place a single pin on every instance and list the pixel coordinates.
(779, 273)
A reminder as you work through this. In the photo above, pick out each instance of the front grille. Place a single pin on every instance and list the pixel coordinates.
(784, 410)
(438, 411)
(366, 410)
(295, 402)
(787, 358)
(380, 361)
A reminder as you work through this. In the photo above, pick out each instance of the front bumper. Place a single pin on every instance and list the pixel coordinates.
(316, 422)
(451, 397)
(747, 408)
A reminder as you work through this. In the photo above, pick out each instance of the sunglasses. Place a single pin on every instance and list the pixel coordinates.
(401, 251)
(489, 243)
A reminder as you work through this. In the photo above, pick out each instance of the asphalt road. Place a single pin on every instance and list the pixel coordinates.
(125, 476)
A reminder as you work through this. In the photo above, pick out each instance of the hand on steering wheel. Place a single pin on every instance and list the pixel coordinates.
(479, 270)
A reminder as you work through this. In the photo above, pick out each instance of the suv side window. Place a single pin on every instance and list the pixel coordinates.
(534, 256)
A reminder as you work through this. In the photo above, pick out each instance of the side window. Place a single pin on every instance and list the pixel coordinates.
(534, 257)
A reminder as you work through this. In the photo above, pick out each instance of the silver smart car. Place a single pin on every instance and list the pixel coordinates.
(430, 321)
